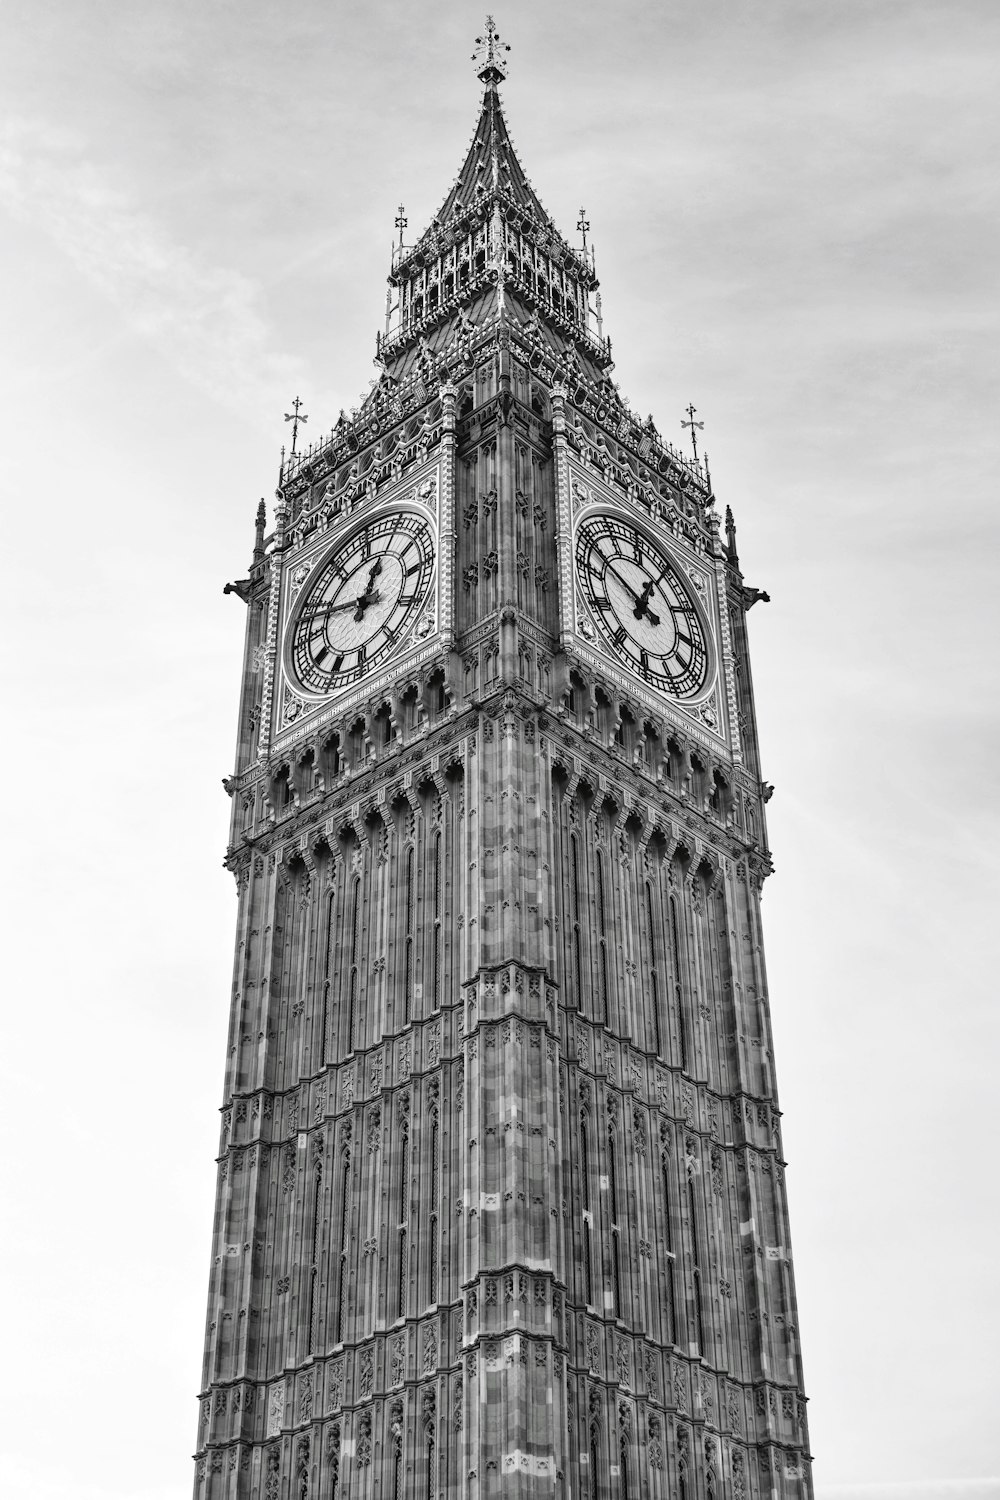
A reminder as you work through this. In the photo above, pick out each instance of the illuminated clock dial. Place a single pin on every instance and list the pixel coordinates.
(360, 603)
(642, 608)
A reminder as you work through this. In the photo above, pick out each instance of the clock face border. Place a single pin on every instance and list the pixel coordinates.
(592, 629)
(360, 676)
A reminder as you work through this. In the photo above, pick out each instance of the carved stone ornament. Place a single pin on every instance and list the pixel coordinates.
(300, 574)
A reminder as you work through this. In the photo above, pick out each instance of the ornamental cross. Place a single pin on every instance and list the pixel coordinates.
(295, 416)
(490, 52)
(401, 222)
(583, 224)
(693, 425)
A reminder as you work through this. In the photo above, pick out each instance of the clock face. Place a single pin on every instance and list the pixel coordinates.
(642, 608)
(359, 603)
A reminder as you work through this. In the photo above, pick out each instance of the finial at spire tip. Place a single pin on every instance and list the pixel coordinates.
(489, 52)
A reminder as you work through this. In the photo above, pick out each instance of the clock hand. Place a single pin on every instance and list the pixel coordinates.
(365, 599)
(626, 586)
(642, 608)
(368, 597)
(312, 611)
(640, 601)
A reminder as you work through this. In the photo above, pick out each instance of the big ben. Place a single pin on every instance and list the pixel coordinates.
(501, 1205)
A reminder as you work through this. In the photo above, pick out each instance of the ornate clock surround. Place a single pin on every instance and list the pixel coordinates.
(295, 711)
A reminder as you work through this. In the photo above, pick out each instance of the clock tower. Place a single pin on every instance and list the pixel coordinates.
(501, 1204)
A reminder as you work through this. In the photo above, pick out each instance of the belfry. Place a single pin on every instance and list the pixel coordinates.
(501, 1206)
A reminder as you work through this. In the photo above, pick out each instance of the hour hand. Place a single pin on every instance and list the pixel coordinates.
(642, 609)
(364, 602)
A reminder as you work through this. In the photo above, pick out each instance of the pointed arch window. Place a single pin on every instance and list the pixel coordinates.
(616, 1259)
(668, 1243)
(602, 942)
(436, 962)
(696, 1272)
(403, 1217)
(654, 973)
(574, 846)
(408, 954)
(313, 1309)
(588, 1259)
(345, 1241)
(435, 1184)
(352, 998)
(675, 953)
(327, 954)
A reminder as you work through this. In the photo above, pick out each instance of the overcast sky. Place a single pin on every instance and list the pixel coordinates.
(794, 206)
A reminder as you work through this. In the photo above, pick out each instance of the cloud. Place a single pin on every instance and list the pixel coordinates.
(204, 320)
(913, 1489)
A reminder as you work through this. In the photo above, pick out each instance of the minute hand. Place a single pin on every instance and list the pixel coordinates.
(332, 609)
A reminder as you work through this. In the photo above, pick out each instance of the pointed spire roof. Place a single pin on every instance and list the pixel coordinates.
(491, 166)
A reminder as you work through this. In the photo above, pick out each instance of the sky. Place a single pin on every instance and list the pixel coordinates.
(795, 209)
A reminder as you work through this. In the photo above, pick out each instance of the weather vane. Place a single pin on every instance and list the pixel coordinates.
(401, 222)
(490, 52)
(295, 416)
(583, 224)
(693, 424)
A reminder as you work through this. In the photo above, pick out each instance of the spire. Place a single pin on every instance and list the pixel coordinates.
(491, 253)
(732, 556)
(491, 165)
(259, 527)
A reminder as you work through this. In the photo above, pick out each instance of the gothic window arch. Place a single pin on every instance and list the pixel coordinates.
(654, 970)
(434, 1179)
(616, 1226)
(585, 1167)
(668, 1243)
(408, 940)
(354, 923)
(602, 941)
(696, 1269)
(574, 844)
(327, 981)
(340, 1319)
(403, 1207)
(675, 953)
(437, 934)
(312, 1318)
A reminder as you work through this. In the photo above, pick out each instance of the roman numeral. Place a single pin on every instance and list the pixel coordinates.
(601, 602)
(643, 660)
(620, 636)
